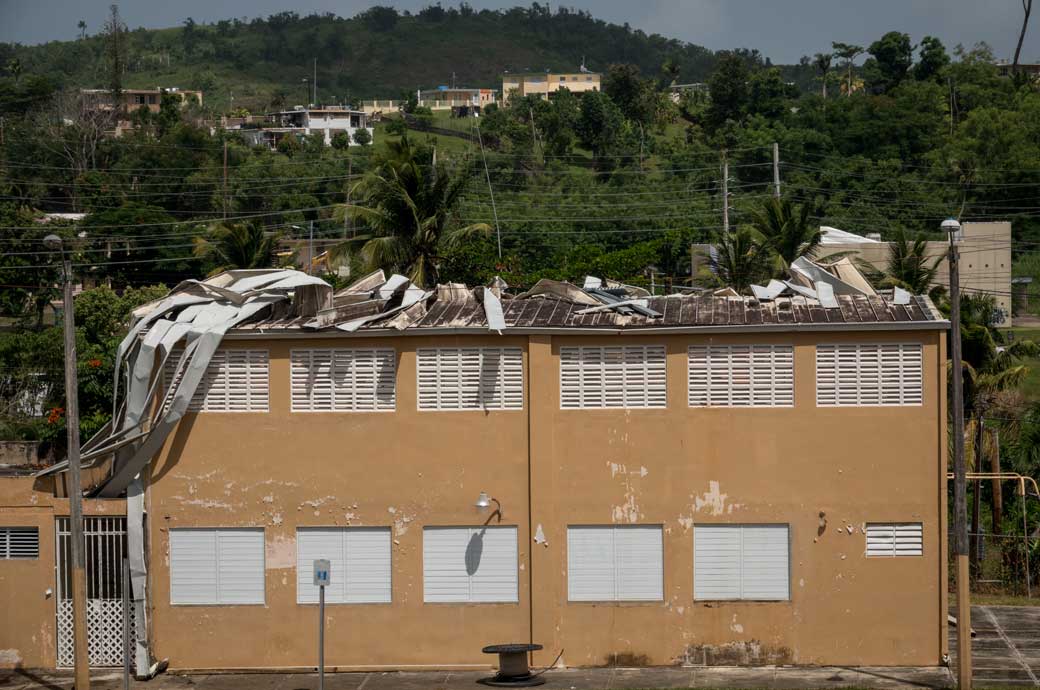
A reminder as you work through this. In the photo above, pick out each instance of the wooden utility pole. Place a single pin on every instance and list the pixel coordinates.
(725, 193)
(960, 502)
(75, 491)
(776, 170)
(225, 179)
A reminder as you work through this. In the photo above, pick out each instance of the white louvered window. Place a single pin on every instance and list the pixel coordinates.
(615, 376)
(740, 376)
(895, 539)
(234, 381)
(359, 558)
(469, 564)
(615, 563)
(343, 380)
(470, 378)
(741, 562)
(19, 543)
(864, 374)
(217, 566)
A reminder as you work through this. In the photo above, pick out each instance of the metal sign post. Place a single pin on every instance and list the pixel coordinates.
(322, 575)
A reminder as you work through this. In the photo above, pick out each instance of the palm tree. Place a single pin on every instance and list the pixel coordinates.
(822, 63)
(788, 229)
(847, 52)
(741, 258)
(409, 207)
(239, 245)
(82, 26)
(909, 266)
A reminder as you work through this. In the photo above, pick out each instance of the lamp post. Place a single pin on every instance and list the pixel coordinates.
(960, 502)
(79, 576)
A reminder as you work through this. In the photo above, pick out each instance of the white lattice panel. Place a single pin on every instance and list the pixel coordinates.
(104, 632)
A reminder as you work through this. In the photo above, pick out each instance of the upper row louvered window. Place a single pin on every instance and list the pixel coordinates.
(234, 381)
(741, 376)
(621, 376)
(864, 374)
(470, 378)
(19, 542)
(343, 380)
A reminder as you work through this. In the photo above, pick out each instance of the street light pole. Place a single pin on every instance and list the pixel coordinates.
(960, 502)
(79, 575)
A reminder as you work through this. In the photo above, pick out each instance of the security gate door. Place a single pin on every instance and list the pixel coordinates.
(105, 539)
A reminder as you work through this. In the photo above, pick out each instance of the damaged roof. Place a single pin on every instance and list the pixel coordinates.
(377, 305)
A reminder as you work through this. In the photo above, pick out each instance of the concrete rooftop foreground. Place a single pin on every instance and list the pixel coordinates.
(559, 679)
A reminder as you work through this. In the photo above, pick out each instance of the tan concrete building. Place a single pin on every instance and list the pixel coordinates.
(985, 258)
(688, 480)
(135, 99)
(544, 84)
(448, 98)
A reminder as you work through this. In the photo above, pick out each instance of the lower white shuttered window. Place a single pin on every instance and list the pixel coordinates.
(895, 539)
(470, 378)
(865, 374)
(234, 381)
(19, 542)
(741, 375)
(469, 564)
(615, 376)
(217, 566)
(741, 562)
(343, 380)
(615, 563)
(359, 558)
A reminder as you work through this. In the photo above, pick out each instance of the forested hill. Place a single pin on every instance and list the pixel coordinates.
(379, 53)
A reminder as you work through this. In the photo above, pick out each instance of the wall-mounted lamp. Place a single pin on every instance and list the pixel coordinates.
(952, 227)
(484, 502)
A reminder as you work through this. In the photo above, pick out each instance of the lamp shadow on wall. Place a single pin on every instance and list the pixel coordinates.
(475, 547)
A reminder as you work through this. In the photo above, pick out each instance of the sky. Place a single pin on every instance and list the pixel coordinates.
(783, 30)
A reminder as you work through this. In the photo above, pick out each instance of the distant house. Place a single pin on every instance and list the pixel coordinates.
(544, 84)
(132, 100)
(328, 120)
(676, 91)
(1004, 68)
(465, 100)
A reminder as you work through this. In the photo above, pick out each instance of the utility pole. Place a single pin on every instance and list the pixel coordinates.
(776, 170)
(350, 181)
(725, 193)
(314, 83)
(960, 501)
(79, 574)
(225, 179)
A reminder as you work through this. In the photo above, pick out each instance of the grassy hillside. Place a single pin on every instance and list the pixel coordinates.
(377, 54)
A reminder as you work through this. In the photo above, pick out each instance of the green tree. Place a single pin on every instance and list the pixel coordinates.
(909, 266)
(408, 207)
(788, 229)
(362, 137)
(847, 52)
(115, 52)
(237, 245)
(891, 58)
(341, 141)
(728, 86)
(933, 60)
(822, 63)
(740, 259)
(768, 93)
(601, 124)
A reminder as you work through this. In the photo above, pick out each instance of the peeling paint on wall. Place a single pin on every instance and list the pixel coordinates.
(280, 553)
(539, 536)
(10, 658)
(735, 626)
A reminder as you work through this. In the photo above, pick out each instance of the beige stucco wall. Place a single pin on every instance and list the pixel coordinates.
(27, 599)
(675, 467)
(985, 252)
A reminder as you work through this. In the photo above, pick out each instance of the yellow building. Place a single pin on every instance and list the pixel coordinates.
(672, 480)
(543, 84)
